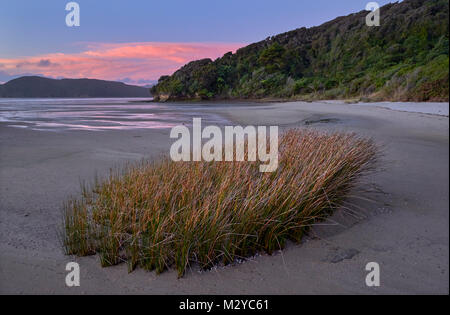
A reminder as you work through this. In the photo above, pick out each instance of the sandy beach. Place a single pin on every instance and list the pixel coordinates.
(404, 227)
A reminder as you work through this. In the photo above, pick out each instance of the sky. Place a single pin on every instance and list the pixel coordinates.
(137, 41)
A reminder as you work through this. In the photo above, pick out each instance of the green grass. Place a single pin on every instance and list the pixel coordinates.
(164, 214)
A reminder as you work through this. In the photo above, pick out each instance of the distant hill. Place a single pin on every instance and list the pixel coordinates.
(33, 86)
(406, 58)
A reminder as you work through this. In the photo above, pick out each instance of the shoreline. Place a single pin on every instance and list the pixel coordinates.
(440, 108)
(349, 100)
(404, 229)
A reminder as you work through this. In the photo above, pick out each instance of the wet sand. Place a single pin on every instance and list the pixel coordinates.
(405, 228)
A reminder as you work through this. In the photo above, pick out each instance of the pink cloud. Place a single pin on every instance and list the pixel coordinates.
(137, 61)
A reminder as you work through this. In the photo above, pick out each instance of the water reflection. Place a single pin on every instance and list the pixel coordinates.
(97, 114)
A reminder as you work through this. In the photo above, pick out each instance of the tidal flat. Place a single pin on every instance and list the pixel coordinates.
(404, 226)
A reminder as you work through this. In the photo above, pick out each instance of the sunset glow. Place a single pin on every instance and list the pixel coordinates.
(136, 63)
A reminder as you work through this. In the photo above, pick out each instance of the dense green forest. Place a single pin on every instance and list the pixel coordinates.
(406, 58)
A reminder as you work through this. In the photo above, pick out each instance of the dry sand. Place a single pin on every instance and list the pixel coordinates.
(405, 229)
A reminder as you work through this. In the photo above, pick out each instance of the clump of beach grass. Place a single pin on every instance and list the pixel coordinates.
(164, 214)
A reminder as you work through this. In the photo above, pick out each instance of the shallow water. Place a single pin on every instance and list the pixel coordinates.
(100, 114)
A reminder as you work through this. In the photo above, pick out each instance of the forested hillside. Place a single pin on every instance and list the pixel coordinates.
(405, 58)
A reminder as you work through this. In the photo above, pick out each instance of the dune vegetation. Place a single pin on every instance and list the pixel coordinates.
(163, 214)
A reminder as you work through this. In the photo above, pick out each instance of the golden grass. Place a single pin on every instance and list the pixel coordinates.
(164, 214)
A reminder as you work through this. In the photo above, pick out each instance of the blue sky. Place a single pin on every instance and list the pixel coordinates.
(37, 28)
